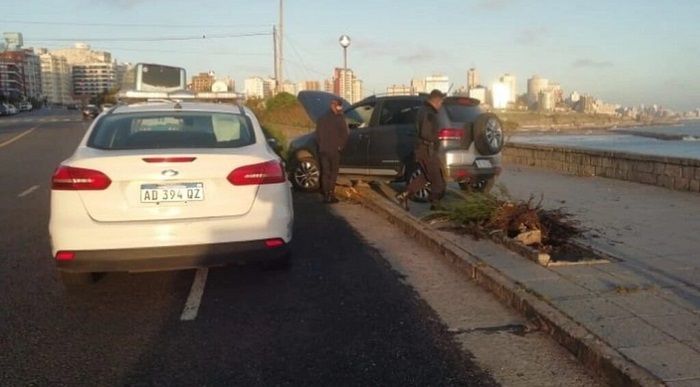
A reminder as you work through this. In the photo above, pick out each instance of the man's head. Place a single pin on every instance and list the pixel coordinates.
(435, 98)
(336, 106)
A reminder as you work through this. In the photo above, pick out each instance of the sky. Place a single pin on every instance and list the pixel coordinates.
(624, 51)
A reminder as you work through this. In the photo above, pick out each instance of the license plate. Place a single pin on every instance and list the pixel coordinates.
(168, 193)
(483, 163)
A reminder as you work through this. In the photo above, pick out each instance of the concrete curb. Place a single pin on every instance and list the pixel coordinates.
(591, 351)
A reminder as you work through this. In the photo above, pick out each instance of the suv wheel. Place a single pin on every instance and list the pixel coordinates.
(306, 175)
(488, 134)
(422, 194)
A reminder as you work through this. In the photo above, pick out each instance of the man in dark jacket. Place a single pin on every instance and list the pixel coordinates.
(426, 153)
(331, 135)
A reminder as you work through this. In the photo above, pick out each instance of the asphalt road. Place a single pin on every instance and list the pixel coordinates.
(340, 316)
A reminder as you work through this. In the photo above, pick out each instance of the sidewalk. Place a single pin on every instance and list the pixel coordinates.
(645, 306)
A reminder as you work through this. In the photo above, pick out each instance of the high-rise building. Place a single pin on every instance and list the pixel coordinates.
(439, 82)
(478, 93)
(202, 82)
(509, 81)
(500, 94)
(357, 91)
(254, 87)
(418, 85)
(269, 87)
(534, 86)
(308, 85)
(289, 87)
(56, 78)
(13, 41)
(21, 74)
(346, 85)
(81, 53)
(546, 100)
(472, 78)
(11, 80)
(91, 79)
(399, 90)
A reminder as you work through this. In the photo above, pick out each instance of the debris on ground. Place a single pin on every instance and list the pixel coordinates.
(481, 214)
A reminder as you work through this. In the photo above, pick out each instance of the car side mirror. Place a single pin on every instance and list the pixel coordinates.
(354, 125)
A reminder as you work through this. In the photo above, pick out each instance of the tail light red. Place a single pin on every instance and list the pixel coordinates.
(65, 255)
(274, 243)
(270, 172)
(451, 134)
(79, 179)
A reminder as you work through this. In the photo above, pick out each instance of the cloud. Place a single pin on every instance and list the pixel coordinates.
(400, 53)
(532, 36)
(590, 63)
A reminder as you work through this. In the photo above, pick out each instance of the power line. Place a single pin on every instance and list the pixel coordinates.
(129, 24)
(158, 39)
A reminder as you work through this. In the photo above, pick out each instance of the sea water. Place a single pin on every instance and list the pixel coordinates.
(675, 141)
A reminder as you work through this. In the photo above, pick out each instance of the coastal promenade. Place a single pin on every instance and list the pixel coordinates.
(633, 318)
(645, 303)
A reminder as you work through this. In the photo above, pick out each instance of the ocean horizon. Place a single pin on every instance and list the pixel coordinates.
(681, 140)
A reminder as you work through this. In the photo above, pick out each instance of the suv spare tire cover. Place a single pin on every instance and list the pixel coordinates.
(488, 134)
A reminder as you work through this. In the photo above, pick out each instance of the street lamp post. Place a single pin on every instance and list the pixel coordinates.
(345, 43)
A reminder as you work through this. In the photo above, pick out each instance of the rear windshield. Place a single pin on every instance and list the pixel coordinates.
(172, 130)
(461, 112)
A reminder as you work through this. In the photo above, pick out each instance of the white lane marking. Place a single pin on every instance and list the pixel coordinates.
(195, 297)
(17, 137)
(28, 191)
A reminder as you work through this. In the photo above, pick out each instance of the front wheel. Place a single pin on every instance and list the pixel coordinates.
(306, 175)
(484, 185)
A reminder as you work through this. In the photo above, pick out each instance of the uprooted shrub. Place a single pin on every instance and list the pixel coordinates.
(480, 214)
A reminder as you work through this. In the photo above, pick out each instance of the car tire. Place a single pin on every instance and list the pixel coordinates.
(488, 134)
(482, 185)
(422, 194)
(72, 280)
(306, 175)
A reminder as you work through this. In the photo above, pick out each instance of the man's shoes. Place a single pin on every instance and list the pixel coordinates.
(402, 199)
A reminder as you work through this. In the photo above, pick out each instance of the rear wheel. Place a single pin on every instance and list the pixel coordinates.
(306, 175)
(484, 185)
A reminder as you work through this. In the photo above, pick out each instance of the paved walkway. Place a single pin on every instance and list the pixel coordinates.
(646, 303)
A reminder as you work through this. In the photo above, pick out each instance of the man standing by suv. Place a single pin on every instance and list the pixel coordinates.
(331, 135)
(426, 153)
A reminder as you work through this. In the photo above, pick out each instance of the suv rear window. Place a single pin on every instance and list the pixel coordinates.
(461, 110)
(171, 130)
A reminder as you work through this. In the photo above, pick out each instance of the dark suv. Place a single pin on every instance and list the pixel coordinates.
(383, 134)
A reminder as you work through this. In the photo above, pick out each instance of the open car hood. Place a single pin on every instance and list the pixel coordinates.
(317, 103)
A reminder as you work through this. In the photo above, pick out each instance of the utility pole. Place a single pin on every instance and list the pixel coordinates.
(280, 44)
(274, 49)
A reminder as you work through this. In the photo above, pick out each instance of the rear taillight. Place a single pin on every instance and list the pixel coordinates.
(270, 172)
(65, 256)
(274, 243)
(79, 179)
(450, 134)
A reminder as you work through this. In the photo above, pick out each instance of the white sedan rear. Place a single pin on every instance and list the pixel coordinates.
(157, 186)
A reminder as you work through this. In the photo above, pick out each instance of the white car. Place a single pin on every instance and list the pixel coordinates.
(170, 185)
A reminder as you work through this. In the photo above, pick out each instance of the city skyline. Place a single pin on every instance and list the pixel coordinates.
(628, 52)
